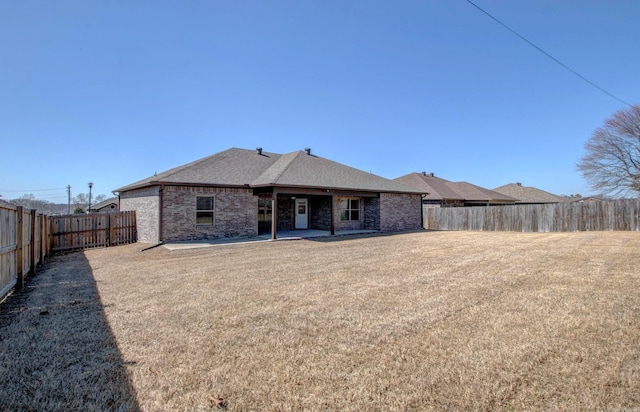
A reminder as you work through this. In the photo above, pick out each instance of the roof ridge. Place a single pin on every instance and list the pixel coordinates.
(283, 159)
(297, 153)
(173, 171)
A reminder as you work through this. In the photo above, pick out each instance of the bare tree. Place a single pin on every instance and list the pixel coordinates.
(81, 199)
(611, 164)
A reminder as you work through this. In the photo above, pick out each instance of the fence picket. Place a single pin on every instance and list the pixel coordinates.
(623, 214)
(22, 245)
(90, 231)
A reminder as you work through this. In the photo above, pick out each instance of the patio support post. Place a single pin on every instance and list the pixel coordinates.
(333, 205)
(274, 214)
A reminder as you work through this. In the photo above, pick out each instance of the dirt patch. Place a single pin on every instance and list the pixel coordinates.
(431, 320)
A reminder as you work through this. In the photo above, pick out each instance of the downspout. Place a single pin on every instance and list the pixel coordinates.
(274, 214)
(160, 225)
(333, 225)
(422, 209)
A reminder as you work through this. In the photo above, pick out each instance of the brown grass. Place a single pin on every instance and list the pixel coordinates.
(420, 321)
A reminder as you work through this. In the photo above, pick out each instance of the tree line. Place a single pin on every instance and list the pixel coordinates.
(79, 203)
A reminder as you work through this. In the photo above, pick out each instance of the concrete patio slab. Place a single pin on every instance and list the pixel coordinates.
(281, 235)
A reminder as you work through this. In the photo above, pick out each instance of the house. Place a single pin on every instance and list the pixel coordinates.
(528, 195)
(106, 206)
(443, 193)
(243, 193)
(592, 198)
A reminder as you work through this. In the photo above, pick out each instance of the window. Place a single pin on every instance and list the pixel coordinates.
(204, 210)
(264, 209)
(350, 209)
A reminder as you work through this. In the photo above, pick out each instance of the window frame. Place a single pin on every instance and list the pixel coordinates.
(201, 212)
(347, 214)
(266, 209)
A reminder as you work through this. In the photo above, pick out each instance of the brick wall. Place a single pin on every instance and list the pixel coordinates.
(146, 203)
(400, 212)
(286, 216)
(371, 213)
(235, 213)
(320, 210)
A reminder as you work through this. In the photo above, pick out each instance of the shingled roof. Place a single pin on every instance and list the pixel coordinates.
(526, 194)
(472, 192)
(104, 203)
(255, 168)
(443, 190)
(435, 187)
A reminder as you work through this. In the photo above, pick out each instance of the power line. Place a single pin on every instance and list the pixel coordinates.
(548, 55)
(32, 190)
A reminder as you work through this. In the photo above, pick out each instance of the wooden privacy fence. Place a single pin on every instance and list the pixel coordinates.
(95, 230)
(621, 214)
(27, 237)
(24, 244)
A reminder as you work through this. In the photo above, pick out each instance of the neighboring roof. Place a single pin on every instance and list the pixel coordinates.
(526, 194)
(250, 168)
(443, 190)
(104, 203)
(435, 187)
(592, 198)
(472, 192)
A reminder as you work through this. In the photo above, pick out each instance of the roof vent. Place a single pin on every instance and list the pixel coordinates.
(308, 150)
(431, 174)
(259, 150)
(519, 184)
(424, 173)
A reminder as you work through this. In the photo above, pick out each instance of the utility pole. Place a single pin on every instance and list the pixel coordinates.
(89, 208)
(68, 199)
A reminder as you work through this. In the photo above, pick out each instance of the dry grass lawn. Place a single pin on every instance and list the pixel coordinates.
(417, 321)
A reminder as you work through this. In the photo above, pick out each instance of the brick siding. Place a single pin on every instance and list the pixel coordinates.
(400, 212)
(320, 212)
(146, 203)
(235, 213)
(371, 213)
(285, 213)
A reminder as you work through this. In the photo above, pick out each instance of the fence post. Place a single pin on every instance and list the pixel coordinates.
(110, 229)
(19, 241)
(32, 243)
(41, 246)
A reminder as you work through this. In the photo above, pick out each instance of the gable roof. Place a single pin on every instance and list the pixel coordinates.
(435, 187)
(526, 194)
(232, 167)
(249, 168)
(104, 203)
(472, 192)
(444, 190)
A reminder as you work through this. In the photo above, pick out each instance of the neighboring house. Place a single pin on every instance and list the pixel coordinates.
(241, 193)
(106, 206)
(529, 195)
(443, 193)
(593, 198)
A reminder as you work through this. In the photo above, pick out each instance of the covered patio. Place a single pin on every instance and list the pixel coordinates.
(316, 212)
(282, 236)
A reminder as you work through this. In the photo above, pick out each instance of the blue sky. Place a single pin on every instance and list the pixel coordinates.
(113, 91)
